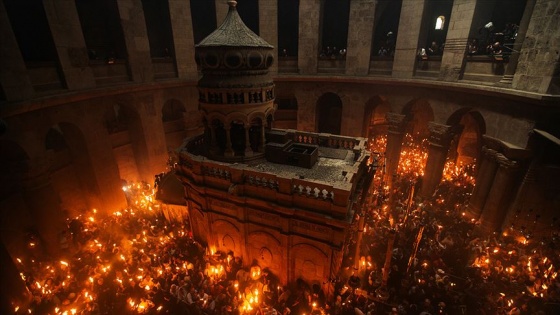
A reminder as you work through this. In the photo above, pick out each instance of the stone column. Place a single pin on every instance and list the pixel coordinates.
(406, 48)
(136, 39)
(507, 79)
(440, 138)
(66, 31)
(453, 59)
(183, 38)
(539, 63)
(360, 33)
(221, 11)
(395, 136)
(309, 31)
(14, 77)
(44, 205)
(106, 181)
(268, 28)
(484, 179)
(248, 150)
(151, 147)
(528, 195)
(229, 151)
(498, 201)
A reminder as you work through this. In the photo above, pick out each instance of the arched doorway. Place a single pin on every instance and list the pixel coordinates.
(418, 113)
(375, 120)
(466, 148)
(329, 113)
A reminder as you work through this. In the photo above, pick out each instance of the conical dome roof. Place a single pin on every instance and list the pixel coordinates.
(233, 33)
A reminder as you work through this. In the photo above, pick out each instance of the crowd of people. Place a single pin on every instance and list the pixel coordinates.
(419, 256)
(136, 262)
(441, 262)
(333, 53)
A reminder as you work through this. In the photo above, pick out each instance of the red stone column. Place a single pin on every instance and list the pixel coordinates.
(395, 136)
(499, 198)
(484, 179)
(440, 138)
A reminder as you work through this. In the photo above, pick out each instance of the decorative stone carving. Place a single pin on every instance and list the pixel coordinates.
(489, 154)
(441, 135)
(506, 163)
(396, 122)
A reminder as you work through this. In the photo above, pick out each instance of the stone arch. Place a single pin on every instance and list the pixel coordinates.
(257, 115)
(309, 263)
(328, 113)
(236, 116)
(227, 237)
(173, 115)
(216, 116)
(375, 121)
(467, 146)
(266, 250)
(418, 113)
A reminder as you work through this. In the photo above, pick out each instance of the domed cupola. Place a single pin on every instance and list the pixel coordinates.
(236, 93)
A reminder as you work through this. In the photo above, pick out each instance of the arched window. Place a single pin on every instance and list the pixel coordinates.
(440, 22)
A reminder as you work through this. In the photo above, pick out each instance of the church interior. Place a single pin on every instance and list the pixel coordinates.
(280, 157)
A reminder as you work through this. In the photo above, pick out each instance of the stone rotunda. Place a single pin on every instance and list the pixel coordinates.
(236, 91)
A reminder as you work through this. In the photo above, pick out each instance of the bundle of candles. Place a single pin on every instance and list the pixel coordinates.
(134, 261)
